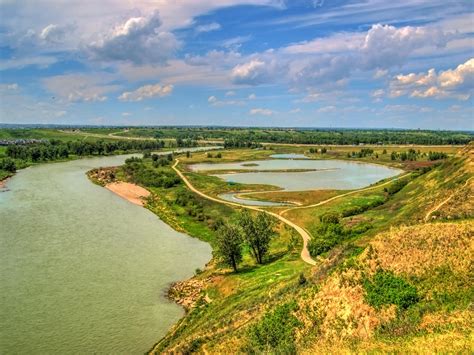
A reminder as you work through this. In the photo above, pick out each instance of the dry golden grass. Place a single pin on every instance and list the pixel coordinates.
(344, 311)
(422, 248)
(347, 324)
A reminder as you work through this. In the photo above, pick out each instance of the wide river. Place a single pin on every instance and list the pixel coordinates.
(82, 270)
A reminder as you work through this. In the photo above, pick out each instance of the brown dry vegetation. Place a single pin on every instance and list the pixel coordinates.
(411, 252)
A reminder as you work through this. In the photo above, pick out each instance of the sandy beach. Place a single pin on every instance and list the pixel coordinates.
(131, 192)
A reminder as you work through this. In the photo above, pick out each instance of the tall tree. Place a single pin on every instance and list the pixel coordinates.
(229, 245)
(258, 231)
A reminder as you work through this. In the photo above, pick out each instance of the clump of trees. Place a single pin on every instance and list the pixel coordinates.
(436, 156)
(8, 164)
(253, 232)
(361, 154)
(138, 173)
(238, 143)
(218, 155)
(331, 232)
(160, 160)
(257, 233)
(315, 150)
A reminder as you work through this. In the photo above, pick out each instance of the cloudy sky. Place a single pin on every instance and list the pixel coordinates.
(310, 63)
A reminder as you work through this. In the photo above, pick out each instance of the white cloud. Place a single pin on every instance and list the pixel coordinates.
(214, 101)
(9, 87)
(230, 93)
(235, 43)
(256, 71)
(261, 111)
(80, 87)
(146, 92)
(56, 33)
(327, 109)
(138, 40)
(377, 95)
(252, 71)
(252, 97)
(386, 46)
(339, 42)
(455, 83)
(18, 63)
(295, 110)
(380, 73)
(213, 26)
(126, 114)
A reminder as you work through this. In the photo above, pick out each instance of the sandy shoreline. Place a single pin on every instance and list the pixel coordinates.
(131, 192)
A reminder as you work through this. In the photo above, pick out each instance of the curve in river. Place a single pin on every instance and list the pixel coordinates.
(82, 270)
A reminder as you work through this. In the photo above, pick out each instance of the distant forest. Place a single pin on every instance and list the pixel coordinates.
(297, 136)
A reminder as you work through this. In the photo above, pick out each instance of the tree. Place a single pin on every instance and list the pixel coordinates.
(229, 245)
(258, 231)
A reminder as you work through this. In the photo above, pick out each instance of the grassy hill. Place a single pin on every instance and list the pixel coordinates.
(403, 285)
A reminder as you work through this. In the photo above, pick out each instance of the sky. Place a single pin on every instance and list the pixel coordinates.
(289, 63)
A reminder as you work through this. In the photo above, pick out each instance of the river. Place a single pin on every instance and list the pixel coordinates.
(82, 270)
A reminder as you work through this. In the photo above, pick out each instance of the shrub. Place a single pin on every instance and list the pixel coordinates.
(396, 186)
(275, 332)
(329, 217)
(386, 288)
(8, 164)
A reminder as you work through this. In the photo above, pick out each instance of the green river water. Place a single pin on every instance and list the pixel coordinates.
(82, 270)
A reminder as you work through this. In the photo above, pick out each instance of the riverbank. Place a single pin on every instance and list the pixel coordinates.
(130, 192)
(3, 181)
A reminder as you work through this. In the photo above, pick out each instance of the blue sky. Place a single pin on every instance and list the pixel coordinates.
(307, 63)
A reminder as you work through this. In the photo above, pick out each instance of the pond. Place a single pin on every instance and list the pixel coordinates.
(84, 271)
(321, 174)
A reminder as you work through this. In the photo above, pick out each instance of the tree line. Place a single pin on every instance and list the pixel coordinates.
(56, 149)
(239, 136)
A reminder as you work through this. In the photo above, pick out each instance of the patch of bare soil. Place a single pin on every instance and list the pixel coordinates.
(131, 192)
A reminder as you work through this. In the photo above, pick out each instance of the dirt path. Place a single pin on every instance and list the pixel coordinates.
(305, 256)
(437, 207)
(343, 195)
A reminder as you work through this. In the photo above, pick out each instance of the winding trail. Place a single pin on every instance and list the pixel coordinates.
(438, 206)
(305, 256)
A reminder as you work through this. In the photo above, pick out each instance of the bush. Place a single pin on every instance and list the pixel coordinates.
(275, 332)
(329, 217)
(352, 211)
(8, 164)
(386, 288)
(396, 186)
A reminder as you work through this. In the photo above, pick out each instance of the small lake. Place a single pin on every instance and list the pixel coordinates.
(289, 156)
(82, 270)
(326, 174)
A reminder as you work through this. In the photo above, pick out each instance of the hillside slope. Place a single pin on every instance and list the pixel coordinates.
(405, 285)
